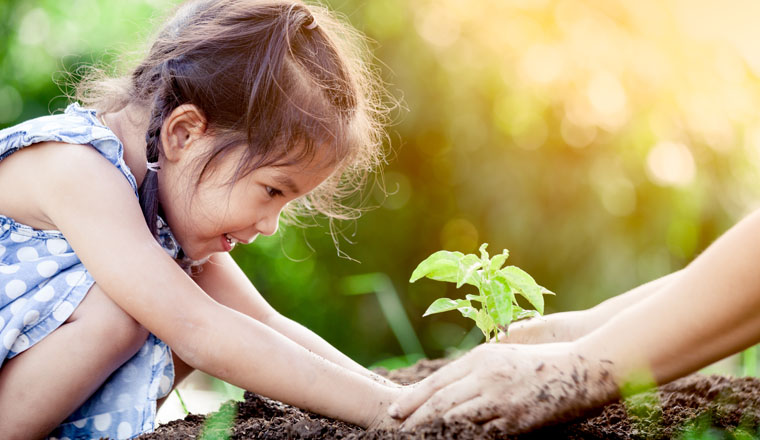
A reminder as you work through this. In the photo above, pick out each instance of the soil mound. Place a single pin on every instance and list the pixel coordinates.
(695, 407)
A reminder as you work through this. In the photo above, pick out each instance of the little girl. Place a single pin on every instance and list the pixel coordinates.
(240, 108)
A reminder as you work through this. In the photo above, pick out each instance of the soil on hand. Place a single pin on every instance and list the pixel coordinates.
(696, 406)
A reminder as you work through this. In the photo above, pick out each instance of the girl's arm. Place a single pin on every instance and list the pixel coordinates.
(92, 204)
(223, 280)
(569, 326)
(708, 311)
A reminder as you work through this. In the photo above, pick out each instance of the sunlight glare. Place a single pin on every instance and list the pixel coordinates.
(671, 164)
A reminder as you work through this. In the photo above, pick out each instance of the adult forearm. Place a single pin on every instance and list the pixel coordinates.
(569, 326)
(609, 308)
(709, 310)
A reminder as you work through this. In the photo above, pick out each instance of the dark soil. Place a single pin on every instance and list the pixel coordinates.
(695, 407)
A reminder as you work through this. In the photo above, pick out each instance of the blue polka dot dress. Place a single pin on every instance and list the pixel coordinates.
(42, 281)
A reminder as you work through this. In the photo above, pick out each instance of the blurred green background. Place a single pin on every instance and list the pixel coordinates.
(604, 143)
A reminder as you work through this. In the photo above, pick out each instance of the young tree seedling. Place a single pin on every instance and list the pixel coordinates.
(497, 287)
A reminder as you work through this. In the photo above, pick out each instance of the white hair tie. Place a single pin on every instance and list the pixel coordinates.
(153, 166)
(311, 25)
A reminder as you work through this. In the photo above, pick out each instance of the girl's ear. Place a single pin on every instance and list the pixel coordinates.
(184, 125)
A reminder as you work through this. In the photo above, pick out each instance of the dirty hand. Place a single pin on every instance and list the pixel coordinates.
(510, 387)
(557, 327)
(380, 418)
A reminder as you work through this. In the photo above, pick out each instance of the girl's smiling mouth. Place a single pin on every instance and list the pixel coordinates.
(228, 242)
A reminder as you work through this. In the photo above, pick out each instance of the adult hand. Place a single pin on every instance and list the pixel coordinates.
(557, 327)
(510, 387)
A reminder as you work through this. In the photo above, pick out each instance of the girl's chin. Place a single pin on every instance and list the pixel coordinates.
(198, 255)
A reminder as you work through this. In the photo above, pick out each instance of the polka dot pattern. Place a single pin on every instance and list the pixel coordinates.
(31, 317)
(102, 421)
(75, 278)
(9, 337)
(20, 344)
(19, 238)
(27, 253)
(165, 385)
(9, 269)
(42, 282)
(18, 305)
(63, 311)
(124, 430)
(56, 246)
(15, 288)
(47, 268)
(44, 294)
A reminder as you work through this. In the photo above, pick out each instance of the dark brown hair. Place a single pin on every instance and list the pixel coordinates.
(280, 76)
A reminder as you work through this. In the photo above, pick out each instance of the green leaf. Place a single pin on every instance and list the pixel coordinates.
(478, 298)
(523, 314)
(485, 323)
(546, 291)
(467, 271)
(469, 312)
(498, 260)
(525, 285)
(441, 266)
(498, 301)
(446, 304)
(484, 253)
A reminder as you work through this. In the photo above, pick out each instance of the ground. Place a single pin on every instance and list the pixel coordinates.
(694, 407)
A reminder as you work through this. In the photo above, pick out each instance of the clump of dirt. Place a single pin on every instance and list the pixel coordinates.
(696, 406)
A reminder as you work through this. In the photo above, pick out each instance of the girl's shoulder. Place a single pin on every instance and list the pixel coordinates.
(75, 126)
(38, 156)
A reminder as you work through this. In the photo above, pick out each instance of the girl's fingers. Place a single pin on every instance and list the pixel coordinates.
(441, 402)
(421, 392)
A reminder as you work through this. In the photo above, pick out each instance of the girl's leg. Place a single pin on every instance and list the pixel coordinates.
(42, 386)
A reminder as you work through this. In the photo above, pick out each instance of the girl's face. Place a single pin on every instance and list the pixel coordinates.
(212, 216)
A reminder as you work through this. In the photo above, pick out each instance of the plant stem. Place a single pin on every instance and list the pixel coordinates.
(182, 402)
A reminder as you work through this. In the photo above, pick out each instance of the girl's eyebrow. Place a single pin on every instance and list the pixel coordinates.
(286, 181)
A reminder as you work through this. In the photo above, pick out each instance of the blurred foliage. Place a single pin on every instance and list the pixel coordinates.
(605, 143)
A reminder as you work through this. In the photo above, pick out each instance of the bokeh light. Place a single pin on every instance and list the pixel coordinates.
(604, 143)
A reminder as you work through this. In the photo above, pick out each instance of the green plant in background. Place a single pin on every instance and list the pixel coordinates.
(749, 361)
(497, 288)
(393, 310)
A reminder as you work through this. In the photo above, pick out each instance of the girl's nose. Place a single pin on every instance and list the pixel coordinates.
(268, 225)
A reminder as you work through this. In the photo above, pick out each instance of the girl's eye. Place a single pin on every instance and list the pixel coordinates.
(273, 192)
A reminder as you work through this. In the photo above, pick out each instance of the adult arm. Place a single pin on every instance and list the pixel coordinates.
(224, 281)
(91, 203)
(708, 311)
(569, 326)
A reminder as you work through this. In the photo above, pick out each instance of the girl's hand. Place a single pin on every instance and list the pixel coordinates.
(382, 419)
(514, 388)
(557, 327)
